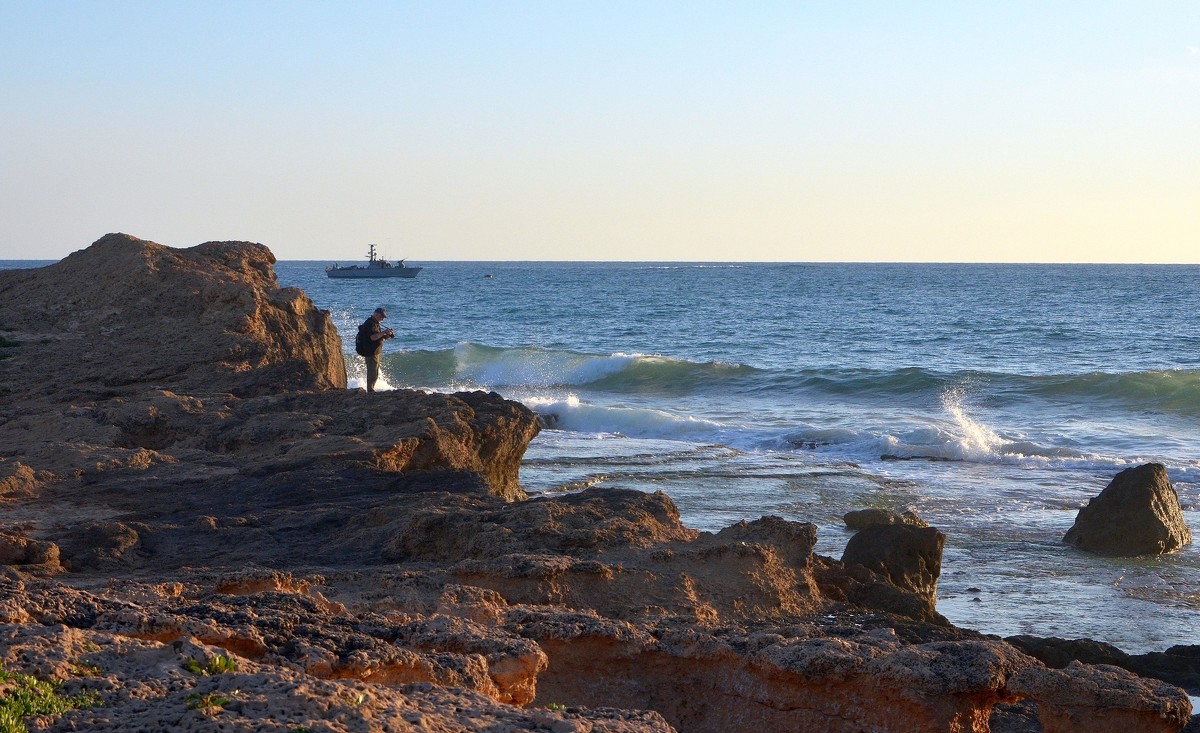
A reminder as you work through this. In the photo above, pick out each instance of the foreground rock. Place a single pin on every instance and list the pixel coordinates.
(1138, 513)
(192, 550)
(1179, 665)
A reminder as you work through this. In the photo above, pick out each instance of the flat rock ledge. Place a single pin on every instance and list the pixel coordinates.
(207, 532)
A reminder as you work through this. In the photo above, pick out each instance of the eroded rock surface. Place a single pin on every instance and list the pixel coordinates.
(1138, 513)
(126, 311)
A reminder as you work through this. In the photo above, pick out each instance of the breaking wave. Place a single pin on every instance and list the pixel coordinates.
(470, 365)
(477, 366)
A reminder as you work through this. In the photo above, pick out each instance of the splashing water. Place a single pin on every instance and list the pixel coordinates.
(976, 441)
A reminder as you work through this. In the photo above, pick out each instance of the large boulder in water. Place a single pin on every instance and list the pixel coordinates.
(127, 313)
(1138, 513)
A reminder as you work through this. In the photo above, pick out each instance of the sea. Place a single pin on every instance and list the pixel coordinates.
(993, 399)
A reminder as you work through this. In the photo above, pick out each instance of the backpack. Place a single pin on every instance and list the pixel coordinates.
(363, 345)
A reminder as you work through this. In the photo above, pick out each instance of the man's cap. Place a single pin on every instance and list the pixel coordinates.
(381, 311)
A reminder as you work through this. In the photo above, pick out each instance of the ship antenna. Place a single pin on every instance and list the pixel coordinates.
(371, 253)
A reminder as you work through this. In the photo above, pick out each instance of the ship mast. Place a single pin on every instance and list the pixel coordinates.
(371, 253)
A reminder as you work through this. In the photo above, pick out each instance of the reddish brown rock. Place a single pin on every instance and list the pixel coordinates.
(126, 312)
(1103, 699)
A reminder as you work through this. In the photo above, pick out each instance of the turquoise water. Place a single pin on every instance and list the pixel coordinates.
(995, 400)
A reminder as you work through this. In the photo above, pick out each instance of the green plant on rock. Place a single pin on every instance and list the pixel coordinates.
(210, 703)
(219, 664)
(86, 669)
(556, 707)
(22, 695)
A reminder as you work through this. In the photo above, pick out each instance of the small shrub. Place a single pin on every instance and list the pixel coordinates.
(557, 707)
(213, 702)
(219, 664)
(26, 695)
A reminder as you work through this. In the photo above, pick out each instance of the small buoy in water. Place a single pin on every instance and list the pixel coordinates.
(488, 276)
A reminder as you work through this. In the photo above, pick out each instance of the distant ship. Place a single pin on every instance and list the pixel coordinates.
(373, 268)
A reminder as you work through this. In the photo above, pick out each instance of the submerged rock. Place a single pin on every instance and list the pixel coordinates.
(1138, 513)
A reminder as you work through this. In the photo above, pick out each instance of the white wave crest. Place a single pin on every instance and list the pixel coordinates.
(570, 413)
(534, 367)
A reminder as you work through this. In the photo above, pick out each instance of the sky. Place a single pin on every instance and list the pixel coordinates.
(962, 131)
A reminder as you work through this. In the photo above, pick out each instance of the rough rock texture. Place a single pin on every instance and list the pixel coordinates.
(171, 367)
(1138, 513)
(910, 557)
(208, 541)
(1179, 665)
(1069, 699)
(126, 311)
(861, 518)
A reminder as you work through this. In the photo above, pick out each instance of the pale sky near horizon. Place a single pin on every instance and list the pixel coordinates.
(781, 131)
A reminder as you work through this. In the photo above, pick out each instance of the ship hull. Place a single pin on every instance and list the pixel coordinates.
(365, 273)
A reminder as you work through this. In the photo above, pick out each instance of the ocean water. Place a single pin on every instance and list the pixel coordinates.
(994, 400)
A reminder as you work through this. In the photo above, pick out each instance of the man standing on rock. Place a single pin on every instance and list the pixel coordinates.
(369, 344)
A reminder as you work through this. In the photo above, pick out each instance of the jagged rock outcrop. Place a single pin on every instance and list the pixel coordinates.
(188, 366)
(281, 659)
(1070, 699)
(1178, 665)
(1138, 513)
(126, 312)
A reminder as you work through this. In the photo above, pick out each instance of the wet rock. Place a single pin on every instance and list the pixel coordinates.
(861, 518)
(908, 557)
(1138, 513)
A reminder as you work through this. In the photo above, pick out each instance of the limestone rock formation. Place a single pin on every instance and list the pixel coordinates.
(1178, 665)
(126, 312)
(1069, 699)
(1138, 513)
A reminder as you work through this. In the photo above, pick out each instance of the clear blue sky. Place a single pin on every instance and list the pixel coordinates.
(877, 131)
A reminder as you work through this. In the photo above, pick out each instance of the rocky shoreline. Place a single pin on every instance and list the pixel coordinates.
(202, 529)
